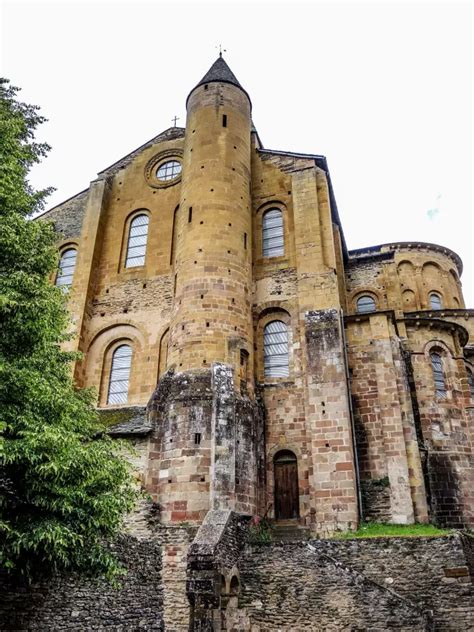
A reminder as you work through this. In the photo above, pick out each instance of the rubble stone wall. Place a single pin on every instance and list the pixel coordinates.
(151, 596)
(378, 584)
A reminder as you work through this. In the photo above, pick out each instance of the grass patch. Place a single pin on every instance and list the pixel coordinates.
(377, 530)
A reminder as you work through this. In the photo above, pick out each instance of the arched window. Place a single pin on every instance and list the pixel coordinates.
(120, 375)
(438, 375)
(273, 242)
(234, 585)
(137, 238)
(365, 304)
(67, 264)
(470, 379)
(435, 301)
(275, 349)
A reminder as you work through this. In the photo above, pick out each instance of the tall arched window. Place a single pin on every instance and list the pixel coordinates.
(137, 238)
(435, 301)
(275, 349)
(67, 264)
(120, 375)
(438, 375)
(273, 242)
(365, 304)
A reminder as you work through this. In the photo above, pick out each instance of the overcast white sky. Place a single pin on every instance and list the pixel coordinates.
(384, 90)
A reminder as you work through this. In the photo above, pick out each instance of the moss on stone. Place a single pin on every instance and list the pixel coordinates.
(114, 417)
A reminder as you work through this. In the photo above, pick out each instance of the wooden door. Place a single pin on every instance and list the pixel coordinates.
(286, 486)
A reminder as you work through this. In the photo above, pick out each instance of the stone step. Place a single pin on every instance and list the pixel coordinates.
(289, 533)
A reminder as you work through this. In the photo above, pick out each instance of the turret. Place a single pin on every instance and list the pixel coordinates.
(207, 427)
(211, 319)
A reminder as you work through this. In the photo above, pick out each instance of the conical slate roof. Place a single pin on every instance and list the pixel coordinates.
(219, 71)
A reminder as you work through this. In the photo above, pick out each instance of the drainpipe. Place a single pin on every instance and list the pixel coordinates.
(351, 415)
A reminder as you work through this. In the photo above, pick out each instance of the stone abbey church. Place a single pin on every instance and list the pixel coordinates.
(259, 366)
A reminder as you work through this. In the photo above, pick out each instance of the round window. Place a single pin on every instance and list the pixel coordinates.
(168, 170)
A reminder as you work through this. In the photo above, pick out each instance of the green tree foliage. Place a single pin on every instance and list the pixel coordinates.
(64, 485)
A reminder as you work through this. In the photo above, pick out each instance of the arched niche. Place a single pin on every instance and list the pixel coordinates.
(409, 300)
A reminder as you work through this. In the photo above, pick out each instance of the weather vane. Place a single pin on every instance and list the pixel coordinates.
(221, 50)
(174, 119)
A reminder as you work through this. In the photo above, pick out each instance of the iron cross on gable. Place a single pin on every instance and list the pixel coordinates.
(174, 119)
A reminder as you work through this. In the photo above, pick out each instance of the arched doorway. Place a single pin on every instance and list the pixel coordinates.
(286, 485)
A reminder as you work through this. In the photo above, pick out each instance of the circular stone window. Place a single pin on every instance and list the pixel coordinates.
(164, 169)
(168, 170)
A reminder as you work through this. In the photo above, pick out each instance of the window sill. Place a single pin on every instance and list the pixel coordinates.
(277, 382)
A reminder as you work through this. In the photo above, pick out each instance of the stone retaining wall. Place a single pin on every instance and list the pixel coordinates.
(376, 584)
(152, 595)
(68, 603)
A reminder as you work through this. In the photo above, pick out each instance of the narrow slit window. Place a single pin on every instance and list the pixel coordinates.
(275, 349)
(438, 375)
(137, 239)
(174, 235)
(190, 214)
(272, 234)
(66, 267)
(245, 241)
(244, 363)
(365, 304)
(435, 301)
(224, 120)
(197, 438)
(470, 379)
(120, 375)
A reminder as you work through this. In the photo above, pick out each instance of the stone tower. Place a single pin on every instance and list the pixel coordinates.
(204, 409)
(211, 319)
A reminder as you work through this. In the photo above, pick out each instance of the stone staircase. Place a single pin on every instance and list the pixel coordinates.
(289, 531)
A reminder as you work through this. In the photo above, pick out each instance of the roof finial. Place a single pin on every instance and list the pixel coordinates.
(221, 50)
(174, 119)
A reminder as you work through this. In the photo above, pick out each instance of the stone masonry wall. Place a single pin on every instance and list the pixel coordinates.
(204, 445)
(389, 463)
(322, 594)
(68, 603)
(402, 276)
(68, 216)
(213, 573)
(151, 596)
(377, 584)
(446, 424)
(432, 572)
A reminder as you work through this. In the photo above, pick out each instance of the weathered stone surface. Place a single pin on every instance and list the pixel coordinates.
(126, 422)
(68, 216)
(212, 571)
(152, 594)
(68, 603)
(380, 584)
